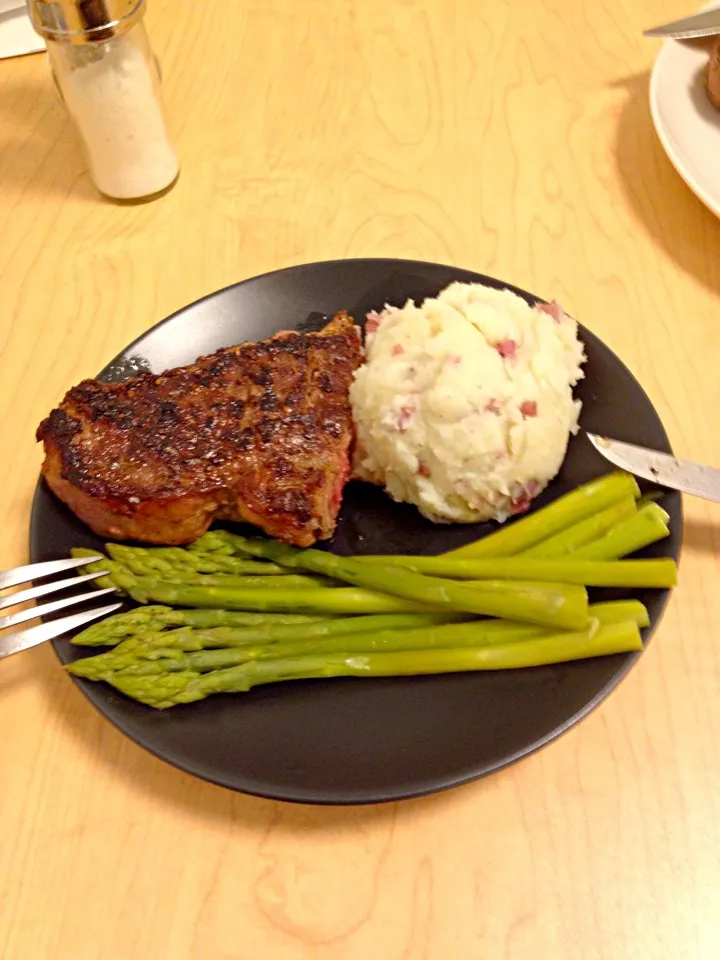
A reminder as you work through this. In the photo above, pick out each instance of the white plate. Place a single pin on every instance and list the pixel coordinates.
(687, 124)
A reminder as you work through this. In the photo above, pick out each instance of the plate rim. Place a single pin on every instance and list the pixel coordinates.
(661, 129)
(427, 786)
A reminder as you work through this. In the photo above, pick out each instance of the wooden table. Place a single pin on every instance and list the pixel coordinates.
(511, 138)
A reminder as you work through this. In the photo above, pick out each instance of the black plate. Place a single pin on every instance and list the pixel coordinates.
(350, 741)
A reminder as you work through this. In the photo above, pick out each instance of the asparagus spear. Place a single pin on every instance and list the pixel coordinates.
(95, 566)
(648, 525)
(551, 604)
(620, 611)
(391, 631)
(210, 542)
(145, 641)
(150, 619)
(122, 572)
(312, 600)
(585, 531)
(564, 542)
(557, 605)
(619, 573)
(188, 686)
(134, 650)
(285, 582)
(583, 502)
(170, 660)
(118, 576)
(148, 561)
(205, 650)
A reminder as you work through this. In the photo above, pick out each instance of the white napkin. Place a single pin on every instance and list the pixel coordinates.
(17, 36)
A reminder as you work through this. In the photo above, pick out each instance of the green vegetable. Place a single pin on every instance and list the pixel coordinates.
(118, 576)
(620, 573)
(567, 541)
(620, 611)
(563, 543)
(203, 651)
(150, 619)
(125, 570)
(648, 525)
(584, 501)
(144, 642)
(550, 604)
(143, 630)
(188, 686)
(267, 639)
(285, 582)
(210, 542)
(312, 600)
(149, 561)
(170, 658)
(95, 566)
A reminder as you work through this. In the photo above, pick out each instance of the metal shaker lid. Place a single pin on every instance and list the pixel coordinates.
(84, 21)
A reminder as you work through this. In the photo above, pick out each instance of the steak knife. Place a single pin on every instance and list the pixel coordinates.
(660, 468)
(704, 24)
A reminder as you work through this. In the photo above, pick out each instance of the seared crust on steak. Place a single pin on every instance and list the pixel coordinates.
(260, 432)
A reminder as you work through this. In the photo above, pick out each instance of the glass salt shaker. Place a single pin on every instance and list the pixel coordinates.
(107, 75)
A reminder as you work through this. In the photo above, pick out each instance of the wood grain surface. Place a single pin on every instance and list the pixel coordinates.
(513, 138)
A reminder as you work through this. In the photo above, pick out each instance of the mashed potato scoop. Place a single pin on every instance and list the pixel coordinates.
(465, 404)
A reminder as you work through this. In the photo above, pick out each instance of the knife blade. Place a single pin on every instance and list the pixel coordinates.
(660, 468)
(704, 24)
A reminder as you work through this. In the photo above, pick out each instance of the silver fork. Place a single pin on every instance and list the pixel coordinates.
(18, 640)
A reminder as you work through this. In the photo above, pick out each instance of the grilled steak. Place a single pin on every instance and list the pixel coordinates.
(259, 432)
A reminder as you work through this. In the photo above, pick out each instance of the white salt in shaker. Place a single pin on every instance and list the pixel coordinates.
(108, 77)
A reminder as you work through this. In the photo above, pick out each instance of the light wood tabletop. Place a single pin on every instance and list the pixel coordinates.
(510, 138)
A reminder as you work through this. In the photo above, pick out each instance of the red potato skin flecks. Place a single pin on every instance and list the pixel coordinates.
(507, 349)
(552, 309)
(259, 432)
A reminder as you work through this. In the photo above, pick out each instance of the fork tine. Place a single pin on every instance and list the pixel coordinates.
(32, 593)
(11, 578)
(25, 639)
(32, 612)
